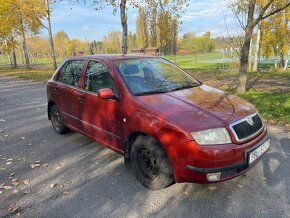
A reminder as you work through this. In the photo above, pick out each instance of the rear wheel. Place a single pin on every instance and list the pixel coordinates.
(150, 163)
(57, 120)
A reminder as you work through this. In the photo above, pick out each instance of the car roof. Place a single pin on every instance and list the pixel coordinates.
(112, 56)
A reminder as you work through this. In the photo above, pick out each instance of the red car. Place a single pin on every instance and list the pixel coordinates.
(169, 126)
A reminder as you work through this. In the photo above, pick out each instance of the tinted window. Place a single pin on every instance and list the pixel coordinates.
(98, 77)
(70, 72)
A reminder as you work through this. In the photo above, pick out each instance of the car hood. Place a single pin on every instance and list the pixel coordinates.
(199, 108)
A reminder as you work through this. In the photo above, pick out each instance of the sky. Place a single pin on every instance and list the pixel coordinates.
(83, 22)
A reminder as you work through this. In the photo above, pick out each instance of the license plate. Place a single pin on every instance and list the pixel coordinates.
(253, 155)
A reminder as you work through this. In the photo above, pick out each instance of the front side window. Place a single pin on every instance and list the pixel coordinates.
(98, 77)
(145, 76)
(70, 72)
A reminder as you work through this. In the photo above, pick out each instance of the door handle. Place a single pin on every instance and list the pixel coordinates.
(56, 91)
(82, 99)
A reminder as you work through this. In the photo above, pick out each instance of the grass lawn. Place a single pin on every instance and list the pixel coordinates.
(268, 90)
(37, 75)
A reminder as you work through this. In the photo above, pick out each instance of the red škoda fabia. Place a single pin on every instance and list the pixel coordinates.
(169, 126)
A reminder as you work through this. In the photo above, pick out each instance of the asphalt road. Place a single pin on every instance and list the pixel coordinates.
(79, 178)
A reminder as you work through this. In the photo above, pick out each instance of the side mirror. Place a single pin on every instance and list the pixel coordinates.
(106, 93)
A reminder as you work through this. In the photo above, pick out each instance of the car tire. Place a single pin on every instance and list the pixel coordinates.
(150, 163)
(57, 120)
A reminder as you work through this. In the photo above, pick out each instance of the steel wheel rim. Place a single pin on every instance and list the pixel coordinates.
(147, 164)
(56, 118)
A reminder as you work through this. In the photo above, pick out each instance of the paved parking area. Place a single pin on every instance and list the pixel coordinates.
(71, 176)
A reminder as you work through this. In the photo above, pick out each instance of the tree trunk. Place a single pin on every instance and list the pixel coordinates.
(50, 36)
(242, 81)
(14, 57)
(9, 60)
(286, 64)
(26, 57)
(245, 48)
(250, 57)
(124, 26)
(255, 67)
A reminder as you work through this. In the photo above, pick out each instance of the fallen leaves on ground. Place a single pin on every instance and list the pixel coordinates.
(212, 187)
(15, 191)
(35, 164)
(65, 193)
(26, 181)
(14, 208)
(6, 187)
(152, 205)
(27, 192)
(186, 193)
(263, 178)
(45, 165)
(53, 185)
(239, 186)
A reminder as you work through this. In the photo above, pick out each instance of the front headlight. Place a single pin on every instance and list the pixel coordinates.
(212, 136)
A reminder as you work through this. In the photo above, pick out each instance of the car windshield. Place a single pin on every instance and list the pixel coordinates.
(145, 76)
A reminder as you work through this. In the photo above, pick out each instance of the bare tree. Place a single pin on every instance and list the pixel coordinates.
(48, 27)
(249, 13)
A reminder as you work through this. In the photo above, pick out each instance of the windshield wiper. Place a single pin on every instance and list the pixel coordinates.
(151, 92)
(184, 87)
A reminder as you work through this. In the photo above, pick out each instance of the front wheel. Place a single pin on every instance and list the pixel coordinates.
(150, 163)
(57, 120)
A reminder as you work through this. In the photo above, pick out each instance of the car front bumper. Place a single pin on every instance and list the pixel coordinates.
(228, 161)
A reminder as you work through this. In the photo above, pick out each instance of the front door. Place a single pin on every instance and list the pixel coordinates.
(101, 118)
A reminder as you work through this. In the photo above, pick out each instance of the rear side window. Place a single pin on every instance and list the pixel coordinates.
(70, 72)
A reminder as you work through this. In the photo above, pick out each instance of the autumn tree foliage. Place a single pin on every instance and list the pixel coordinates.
(250, 13)
(276, 36)
(24, 17)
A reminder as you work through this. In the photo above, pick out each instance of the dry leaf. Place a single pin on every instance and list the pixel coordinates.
(239, 186)
(29, 144)
(1, 192)
(15, 191)
(26, 181)
(118, 174)
(2, 184)
(186, 193)
(2, 168)
(35, 165)
(52, 185)
(27, 192)
(8, 163)
(12, 174)
(65, 193)
(212, 187)
(6, 187)
(263, 178)
(45, 165)
(36, 162)
(23, 137)
(15, 183)
(14, 208)
(10, 159)
(15, 180)
(152, 205)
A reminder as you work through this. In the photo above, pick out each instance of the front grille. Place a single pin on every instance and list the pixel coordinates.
(247, 127)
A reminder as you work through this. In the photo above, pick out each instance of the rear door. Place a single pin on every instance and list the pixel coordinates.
(100, 117)
(65, 91)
